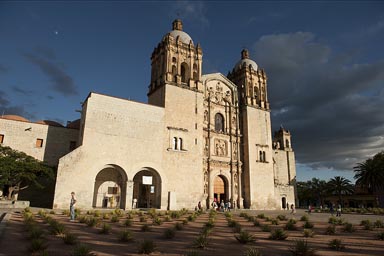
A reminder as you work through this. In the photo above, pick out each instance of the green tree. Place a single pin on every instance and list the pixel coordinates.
(340, 186)
(19, 170)
(370, 173)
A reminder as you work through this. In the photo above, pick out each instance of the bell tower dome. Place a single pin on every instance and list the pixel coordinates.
(251, 82)
(176, 61)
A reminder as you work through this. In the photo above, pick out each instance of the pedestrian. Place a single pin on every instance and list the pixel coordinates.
(331, 209)
(199, 205)
(309, 209)
(338, 211)
(72, 206)
(287, 206)
(229, 206)
(293, 210)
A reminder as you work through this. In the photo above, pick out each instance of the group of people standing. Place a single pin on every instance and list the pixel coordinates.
(221, 206)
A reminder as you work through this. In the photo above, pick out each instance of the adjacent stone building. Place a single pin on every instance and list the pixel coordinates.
(200, 138)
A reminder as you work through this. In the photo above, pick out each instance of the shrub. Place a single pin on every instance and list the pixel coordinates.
(129, 216)
(368, 226)
(290, 225)
(304, 218)
(201, 241)
(115, 218)
(293, 221)
(81, 250)
(118, 212)
(57, 228)
(245, 237)
(266, 228)
(210, 223)
(237, 228)
(251, 218)
(178, 226)
(35, 232)
(365, 222)
(332, 220)
(301, 248)
(281, 217)
(42, 213)
(37, 245)
(157, 221)
(96, 214)
(308, 233)
(66, 212)
(127, 223)
(348, 227)
(331, 230)
(308, 224)
(106, 216)
(145, 228)
(125, 236)
(143, 219)
(336, 244)
(169, 233)
(83, 219)
(256, 223)
(192, 217)
(244, 215)
(92, 221)
(278, 234)
(147, 247)
(231, 223)
(261, 216)
(69, 238)
(105, 228)
(378, 224)
(167, 218)
(185, 222)
(175, 215)
(380, 236)
(228, 214)
(252, 251)
(275, 222)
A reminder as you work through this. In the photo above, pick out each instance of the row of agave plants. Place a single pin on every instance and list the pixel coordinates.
(300, 246)
(98, 219)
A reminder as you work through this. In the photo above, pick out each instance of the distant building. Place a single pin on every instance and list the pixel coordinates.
(200, 138)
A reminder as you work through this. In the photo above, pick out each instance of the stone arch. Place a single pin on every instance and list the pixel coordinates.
(110, 187)
(220, 188)
(219, 122)
(147, 195)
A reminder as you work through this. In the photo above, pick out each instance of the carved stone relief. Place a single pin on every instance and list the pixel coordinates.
(221, 147)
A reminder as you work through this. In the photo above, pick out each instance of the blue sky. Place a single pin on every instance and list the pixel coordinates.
(324, 61)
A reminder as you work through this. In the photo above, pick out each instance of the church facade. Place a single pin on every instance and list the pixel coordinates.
(200, 138)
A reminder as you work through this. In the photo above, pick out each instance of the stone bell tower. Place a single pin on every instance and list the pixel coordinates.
(255, 125)
(251, 82)
(176, 60)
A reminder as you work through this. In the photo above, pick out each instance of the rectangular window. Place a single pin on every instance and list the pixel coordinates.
(39, 143)
(1, 138)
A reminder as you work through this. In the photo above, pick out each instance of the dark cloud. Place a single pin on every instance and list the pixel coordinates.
(3, 69)
(193, 11)
(22, 91)
(61, 81)
(329, 102)
(7, 109)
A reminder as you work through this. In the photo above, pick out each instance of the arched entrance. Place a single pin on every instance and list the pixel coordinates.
(220, 186)
(283, 202)
(110, 188)
(147, 189)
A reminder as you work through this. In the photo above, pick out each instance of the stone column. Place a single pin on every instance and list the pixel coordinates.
(129, 195)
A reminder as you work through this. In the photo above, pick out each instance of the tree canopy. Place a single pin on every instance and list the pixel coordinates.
(370, 173)
(19, 170)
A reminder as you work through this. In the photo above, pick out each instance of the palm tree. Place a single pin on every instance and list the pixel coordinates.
(340, 186)
(370, 175)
